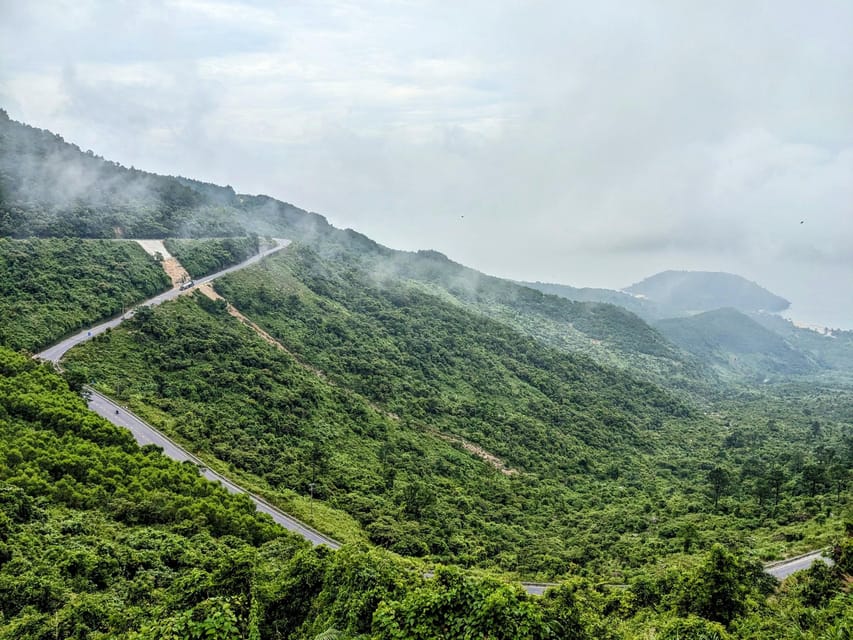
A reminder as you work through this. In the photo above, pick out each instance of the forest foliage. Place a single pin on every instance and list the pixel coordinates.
(380, 389)
(609, 334)
(443, 414)
(51, 188)
(102, 539)
(201, 257)
(51, 287)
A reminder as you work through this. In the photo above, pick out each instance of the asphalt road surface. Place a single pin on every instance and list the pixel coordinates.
(146, 434)
(785, 568)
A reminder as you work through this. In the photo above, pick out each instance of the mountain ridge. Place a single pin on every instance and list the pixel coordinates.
(697, 291)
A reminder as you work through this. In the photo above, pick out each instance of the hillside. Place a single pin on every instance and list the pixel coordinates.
(735, 343)
(697, 291)
(610, 335)
(102, 539)
(51, 188)
(50, 287)
(643, 307)
(400, 401)
(441, 433)
(374, 408)
(832, 350)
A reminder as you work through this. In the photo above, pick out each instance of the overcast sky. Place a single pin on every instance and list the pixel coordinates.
(588, 143)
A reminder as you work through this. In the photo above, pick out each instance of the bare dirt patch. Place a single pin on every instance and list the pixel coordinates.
(176, 271)
(208, 290)
(171, 266)
(481, 453)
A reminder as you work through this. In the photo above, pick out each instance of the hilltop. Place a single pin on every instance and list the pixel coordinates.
(51, 188)
(697, 291)
(734, 342)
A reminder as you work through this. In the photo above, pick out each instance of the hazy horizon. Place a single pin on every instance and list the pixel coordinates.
(584, 144)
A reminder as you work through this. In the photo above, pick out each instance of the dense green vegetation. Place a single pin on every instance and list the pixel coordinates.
(643, 307)
(99, 538)
(612, 473)
(832, 351)
(734, 343)
(49, 288)
(102, 539)
(200, 257)
(411, 404)
(608, 334)
(732, 346)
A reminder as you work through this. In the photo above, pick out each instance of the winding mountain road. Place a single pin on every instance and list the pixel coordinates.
(55, 353)
(145, 434)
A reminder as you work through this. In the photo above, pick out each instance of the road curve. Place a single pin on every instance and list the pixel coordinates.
(55, 353)
(146, 434)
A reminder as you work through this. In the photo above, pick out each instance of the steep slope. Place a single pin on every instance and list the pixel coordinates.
(608, 334)
(696, 291)
(735, 343)
(439, 432)
(201, 257)
(832, 349)
(102, 539)
(50, 287)
(51, 188)
(643, 307)
(376, 390)
(98, 535)
(406, 382)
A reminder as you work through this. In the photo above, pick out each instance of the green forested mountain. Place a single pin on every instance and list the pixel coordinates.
(696, 291)
(832, 350)
(380, 433)
(735, 343)
(447, 435)
(726, 341)
(200, 257)
(403, 403)
(102, 539)
(608, 334)
(51, 188)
